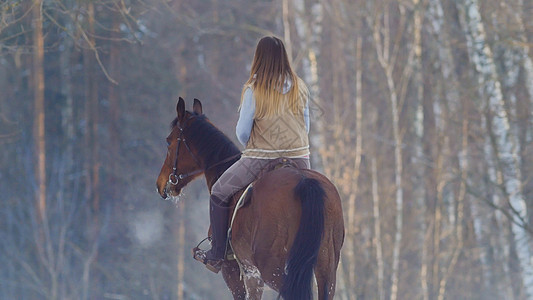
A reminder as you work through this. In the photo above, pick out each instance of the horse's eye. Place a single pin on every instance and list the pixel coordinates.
(168, 142)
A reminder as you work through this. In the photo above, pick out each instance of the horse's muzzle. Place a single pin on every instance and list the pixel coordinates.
(163, 192)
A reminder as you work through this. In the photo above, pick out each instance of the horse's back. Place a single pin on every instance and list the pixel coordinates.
(273, 202)
(273, 195)
(264, 230)
(275, 191)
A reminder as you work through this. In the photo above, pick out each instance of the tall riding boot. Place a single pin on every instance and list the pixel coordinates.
(219, 217)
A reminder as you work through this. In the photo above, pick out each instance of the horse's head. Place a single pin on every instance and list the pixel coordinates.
(182, 163)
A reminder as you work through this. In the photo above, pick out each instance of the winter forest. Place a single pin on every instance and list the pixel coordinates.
(421, 115)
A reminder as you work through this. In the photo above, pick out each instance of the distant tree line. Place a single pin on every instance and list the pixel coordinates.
(421, 111)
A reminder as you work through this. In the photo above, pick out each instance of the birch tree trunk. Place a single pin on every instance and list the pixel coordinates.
(450, 88)
(92, 164)
(39, 112)
(504, 142)
(44, 242)
(387, 55)
(181, 252)
(181, 71)
(313, 40)
(308, 24)
(458, 230)
(114, 104)
(94, 111)
(377, 231)
(287, 28)
(91, 112)
(430, 149)
(399, 192)
(350, 233)
(521, 64)
(420, 192)
(515, 60)
(67, 111)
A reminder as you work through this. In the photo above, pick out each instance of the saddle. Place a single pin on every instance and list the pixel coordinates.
(243, 199)
(246, 196)
(282, 162)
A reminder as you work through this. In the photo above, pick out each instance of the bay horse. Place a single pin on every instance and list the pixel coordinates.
(291, 226)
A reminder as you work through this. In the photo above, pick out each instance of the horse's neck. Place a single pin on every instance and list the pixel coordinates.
(227, 149)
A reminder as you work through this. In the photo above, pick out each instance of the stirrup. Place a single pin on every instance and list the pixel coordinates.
(201, 256)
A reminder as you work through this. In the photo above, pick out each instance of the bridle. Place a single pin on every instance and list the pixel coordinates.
(180, 177)
(174, 174)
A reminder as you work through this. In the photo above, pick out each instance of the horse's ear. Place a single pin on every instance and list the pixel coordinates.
(197, 106)
(180, 109)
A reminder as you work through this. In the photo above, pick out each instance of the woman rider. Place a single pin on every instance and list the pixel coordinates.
(273, 123)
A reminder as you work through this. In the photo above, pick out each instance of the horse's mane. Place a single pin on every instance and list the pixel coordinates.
(211, 143)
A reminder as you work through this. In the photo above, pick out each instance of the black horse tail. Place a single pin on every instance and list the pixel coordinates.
(297, 282)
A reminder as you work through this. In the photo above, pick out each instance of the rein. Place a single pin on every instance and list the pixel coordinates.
(178, 177)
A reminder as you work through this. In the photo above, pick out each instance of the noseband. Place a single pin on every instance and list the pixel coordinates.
(177, 177)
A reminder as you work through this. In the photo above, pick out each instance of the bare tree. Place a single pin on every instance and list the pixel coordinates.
(387, 53)
(421, 113)
(38, 86)
(500, 138)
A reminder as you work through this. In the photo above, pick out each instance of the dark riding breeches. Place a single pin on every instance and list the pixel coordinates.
(242, 173)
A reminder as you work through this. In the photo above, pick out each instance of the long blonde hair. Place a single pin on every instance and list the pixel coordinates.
(270, 69)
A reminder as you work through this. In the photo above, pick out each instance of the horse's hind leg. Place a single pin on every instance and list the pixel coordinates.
(253, 282)
(325, 273)
(231, 274)
(254, 288)
(325, 280)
